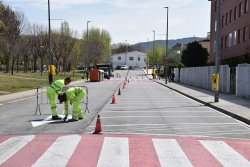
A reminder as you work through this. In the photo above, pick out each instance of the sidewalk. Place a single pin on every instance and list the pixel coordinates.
(228, 104)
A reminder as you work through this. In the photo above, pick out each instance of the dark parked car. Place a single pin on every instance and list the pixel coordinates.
(118, 67)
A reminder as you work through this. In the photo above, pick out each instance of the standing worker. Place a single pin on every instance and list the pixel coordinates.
(74, 96)
(54, 90)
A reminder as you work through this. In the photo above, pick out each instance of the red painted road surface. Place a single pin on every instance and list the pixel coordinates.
(121, 150)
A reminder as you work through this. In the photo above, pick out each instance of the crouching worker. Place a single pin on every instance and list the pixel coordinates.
(74, 96)
(52, 91)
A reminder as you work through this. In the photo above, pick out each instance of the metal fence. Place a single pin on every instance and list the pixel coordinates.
(243, 80)
(202, 77)
(232, 80)
(43, 99)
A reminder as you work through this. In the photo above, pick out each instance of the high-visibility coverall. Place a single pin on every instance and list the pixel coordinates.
(74, 96)
(52, 92)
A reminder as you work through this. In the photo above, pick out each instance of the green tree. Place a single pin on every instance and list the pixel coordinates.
(2, 25)
(157, 57)
(98, 45)
(194, 55)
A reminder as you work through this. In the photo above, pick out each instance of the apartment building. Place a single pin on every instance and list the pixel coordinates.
(234, 29)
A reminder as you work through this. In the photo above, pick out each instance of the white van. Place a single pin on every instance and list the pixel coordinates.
(124, 67)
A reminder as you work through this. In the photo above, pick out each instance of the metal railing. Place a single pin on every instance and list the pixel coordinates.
(43, 99)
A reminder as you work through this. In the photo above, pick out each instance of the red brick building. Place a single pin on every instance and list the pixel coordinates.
(234, 29)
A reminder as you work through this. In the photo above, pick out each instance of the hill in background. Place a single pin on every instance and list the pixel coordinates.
(171, 42)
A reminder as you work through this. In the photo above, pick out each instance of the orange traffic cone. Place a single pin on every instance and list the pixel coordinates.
(119, 92)
(124, 82)
(113, 99)
(123, 86)
(98, 127)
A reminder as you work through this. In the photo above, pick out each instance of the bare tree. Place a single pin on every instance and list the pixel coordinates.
(15, 25)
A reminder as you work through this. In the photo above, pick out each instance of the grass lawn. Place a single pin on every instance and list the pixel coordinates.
(25, 81)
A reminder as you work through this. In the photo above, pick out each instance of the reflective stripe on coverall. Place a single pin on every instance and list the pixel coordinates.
(52, 92)
(75, 96)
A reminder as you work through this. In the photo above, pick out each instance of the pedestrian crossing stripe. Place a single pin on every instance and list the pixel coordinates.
(121, 150)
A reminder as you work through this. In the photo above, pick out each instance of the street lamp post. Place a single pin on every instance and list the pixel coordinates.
(101, 51)
(126, 53)
(147, 55)
(50, 59)
(154, 50)
(217, 59)
(166, 59)
(41, 60)
(87, 50)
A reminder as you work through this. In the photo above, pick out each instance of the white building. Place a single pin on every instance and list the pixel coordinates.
(134, 58)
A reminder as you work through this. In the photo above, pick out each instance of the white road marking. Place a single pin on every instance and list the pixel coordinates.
(170, 153)
(56, 155)
(12, 145)
(46, 121)
(227, 156)
(115, 152)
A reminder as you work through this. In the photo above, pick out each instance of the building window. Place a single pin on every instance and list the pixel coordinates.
(246, 6)
(245, 33)
(221, 43)
(226, 41)
(235, 12)
(119, 58)
(215, 6)
(231, 16)
(230, 40)
(222, 21)
(215, 25)
(138, 58)
(240, 9)
(226, 18)
(239, 36)
(214, 46)
(131, 58)
(234, 37)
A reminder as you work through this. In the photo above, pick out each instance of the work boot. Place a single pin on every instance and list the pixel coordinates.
(56, 117)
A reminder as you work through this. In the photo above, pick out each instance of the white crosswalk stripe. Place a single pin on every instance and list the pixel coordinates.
(225, 154)
(114, 152)
(170, 154)
(56, 154)
(12, 145)
(64, 150)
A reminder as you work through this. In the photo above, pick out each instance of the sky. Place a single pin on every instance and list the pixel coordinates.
(125, 20)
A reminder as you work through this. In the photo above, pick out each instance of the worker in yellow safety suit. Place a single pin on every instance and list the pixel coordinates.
(54, 90)
(74, 96)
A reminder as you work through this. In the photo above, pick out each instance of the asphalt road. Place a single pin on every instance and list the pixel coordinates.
(144, 107)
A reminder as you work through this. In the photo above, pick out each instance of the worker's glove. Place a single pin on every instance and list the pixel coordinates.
(65, 118)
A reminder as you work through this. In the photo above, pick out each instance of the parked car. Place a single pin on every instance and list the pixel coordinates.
(136, 68)
(118, 67)
(124, 67)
